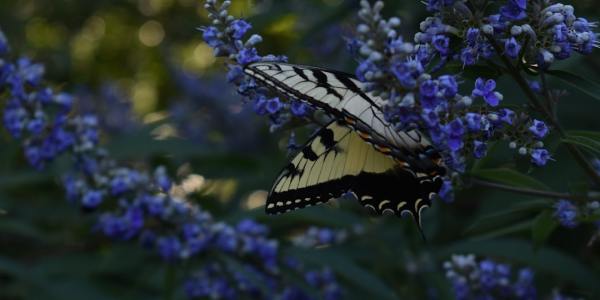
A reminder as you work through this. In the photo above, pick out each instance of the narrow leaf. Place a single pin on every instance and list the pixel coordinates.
(510, 177)
(590, 88)
(563, 266)
(543, 226)
(348, 269)
(589, 140)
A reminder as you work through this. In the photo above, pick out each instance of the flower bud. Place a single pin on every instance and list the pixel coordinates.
(487, 29)
(516, 30)
(523, 151)
(362, 28)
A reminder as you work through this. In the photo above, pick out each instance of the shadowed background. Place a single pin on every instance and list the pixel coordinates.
(162, 97)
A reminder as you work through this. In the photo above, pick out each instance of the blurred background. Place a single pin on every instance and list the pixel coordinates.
(162, 97)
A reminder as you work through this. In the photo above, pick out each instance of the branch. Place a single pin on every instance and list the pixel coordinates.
(516, 74)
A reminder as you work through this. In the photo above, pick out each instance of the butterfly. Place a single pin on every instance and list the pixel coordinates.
(388, 171)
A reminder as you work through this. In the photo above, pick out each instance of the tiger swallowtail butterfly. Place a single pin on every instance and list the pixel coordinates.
(389, 171)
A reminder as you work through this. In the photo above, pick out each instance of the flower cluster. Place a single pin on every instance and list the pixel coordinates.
(208, 99)
(316, 236)
(38, 115)
(113, 109)
(569, 214)
(535, 32)
(402, 73)
(227, 37)
(137, 204)
(209, 282)
(486, 279)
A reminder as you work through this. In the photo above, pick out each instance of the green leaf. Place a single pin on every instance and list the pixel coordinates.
(589, 140)
(590, 88)
(316, 215)
(548, 260)
(18, 179)
(543, 225)
(505, 217)
(502, 231)
(347, 269)
(510, 177)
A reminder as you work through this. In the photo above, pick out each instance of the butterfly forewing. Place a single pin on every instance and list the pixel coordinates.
(340, 95)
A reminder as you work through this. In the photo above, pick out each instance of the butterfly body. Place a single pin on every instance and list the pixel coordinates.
(389, 171)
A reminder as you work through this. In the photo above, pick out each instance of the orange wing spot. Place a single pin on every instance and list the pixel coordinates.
(401, 162)
(364, 135)
(350, 120)
(382, 149)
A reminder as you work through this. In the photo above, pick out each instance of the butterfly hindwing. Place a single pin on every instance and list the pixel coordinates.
(337, 160)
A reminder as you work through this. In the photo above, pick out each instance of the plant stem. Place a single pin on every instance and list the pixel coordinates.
(528, 191)
(516, 74)
(169, 282)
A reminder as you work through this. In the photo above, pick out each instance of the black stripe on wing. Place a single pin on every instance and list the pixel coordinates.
(349, 165)
(365, 116)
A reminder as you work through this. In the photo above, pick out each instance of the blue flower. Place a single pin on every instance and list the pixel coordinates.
(235, 74)
(436, 5)
(260, 105)
(29, 72)
(298, 108)
(538, 129)
(468, 56)
(169, 247)
(63, 99)
(566, 213)
(91, 199)
(462, 291)
(429, 88)
(14, 118)
(514, 10)
(479, 149)
(3, 44)
(486, 89)
(37, 124)
(429, 94)
(474, 121)
(161, 179)
(540, 157)
(226, 238)
(250, 227)
(512, 48)
(446, 192)
(123, 182)
(488, 277)
(211, 37)
(364, 68)
(535, 86)
(448, 86)
(247, 56)
(507, 116)
(239, 28)
(407, 72)
(455, 131)
(441, 43)
(430, 117)
(273, 105)
(524, 288)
